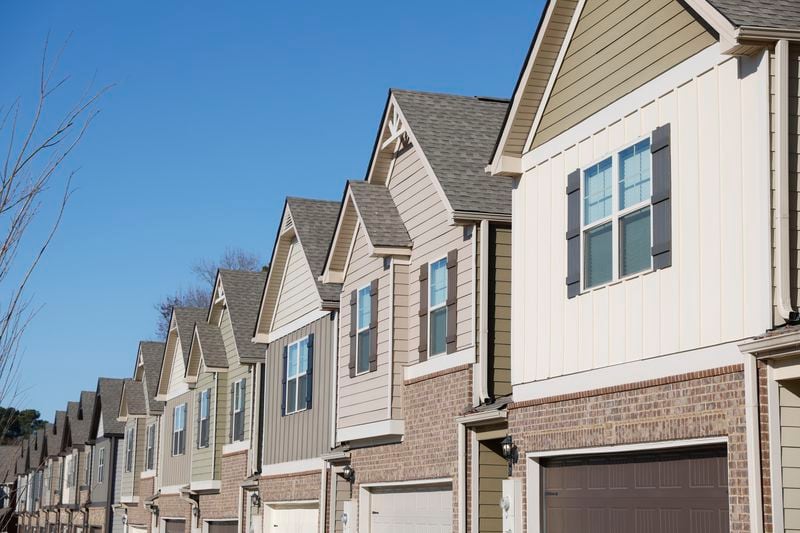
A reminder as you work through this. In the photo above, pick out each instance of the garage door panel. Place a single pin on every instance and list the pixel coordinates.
(293, 519)
(403, 510)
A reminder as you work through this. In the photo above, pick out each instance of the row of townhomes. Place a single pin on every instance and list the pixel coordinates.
(640, 194)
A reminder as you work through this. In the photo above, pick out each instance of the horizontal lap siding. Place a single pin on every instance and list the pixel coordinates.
(177, 468)
(202, 458)
(298, 293)
(790, 452)
(139, 454)
(401, 343)
(127, 480)
(708, 295)
(617, 46)
(306, 434)
(500, 318)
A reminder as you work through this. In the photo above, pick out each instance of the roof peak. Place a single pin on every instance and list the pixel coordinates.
(491, 99)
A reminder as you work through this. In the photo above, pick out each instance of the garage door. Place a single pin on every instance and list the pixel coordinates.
(293, 519)
(223, 526)
(399, 511)
(136, 529)
(174, 526)
(667, 492)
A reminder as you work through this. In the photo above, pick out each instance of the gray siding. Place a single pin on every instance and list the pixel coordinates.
(306, 434)
(206, 461)
(100, 487)
(500, 313)
(176, 470)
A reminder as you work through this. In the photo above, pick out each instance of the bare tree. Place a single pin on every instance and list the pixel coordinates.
(36, 150)
(205, 271)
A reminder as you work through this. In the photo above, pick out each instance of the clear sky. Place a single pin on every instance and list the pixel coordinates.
(221, 109)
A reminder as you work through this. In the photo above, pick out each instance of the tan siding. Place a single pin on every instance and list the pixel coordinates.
(226, 330)
(342, 244)
(493, 470)
(203, 458)
(177, 468)
(234, 374)
(618, 46)
(500, 317)
(790, 453)
(306, 434)
(298, 295)
(177, 372)
(344, 492)
(401, 346)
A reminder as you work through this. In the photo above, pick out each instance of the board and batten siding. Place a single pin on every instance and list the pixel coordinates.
(617, 46)
(177, 468)
(206, 461)
(306, 434)
(717, 289)
(298, 294)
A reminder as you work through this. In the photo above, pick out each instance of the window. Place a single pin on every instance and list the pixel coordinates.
(437, 311)
(203, 418)
(616, 216)
(69, 467)
(238, 397)
(179, 429)
(297, 376)
(87, 469)
(101, 465)
(364, 317)
(150, 448)
(130, 436)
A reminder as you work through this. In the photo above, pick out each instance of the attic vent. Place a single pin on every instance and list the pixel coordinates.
(287, 221)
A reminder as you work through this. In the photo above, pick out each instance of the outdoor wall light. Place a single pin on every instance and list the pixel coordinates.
(255, 500)
(348, 473)
(195, 511)
(154, 509)
(509, 450)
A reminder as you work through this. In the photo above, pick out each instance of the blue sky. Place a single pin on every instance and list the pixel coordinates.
(220, 110)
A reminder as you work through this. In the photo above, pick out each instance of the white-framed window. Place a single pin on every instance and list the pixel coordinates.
(203, 418)
(364, 317)
(87, 468)
(297, 376)
(437, 307)
(101, 465)
(130, 442)
(69, 468)
(237, 413)
(616, 222)
(150, 447)
(179, 429)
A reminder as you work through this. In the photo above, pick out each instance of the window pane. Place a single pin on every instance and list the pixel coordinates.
(362, 363)
(634, 174)
(291, 369)
(364, 308)
(291, 396)
(438, 331)
(302, 383)
(597, 191)
(438, 282)
(303, 366)
(598, 263)
(635, 242)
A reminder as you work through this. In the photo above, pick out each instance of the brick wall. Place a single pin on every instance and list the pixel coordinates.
(225, 504)
(290, 487)
(702, 404)
(97, 516)
(172, 506)
(137, 514)
(763, 415)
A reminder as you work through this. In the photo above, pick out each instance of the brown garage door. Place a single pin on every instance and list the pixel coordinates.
(220, 526)
(683, 491)
(174, 526)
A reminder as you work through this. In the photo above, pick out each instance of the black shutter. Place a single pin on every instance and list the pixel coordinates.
(283, 382)
(373, 326)
(574, 233)
(353, 333)
(662, 189)
(231, 422)
(199, 402)
(452, 300)
(310, 371)
(423, 312)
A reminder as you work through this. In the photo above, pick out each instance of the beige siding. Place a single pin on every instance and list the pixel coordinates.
(493, 470)
(344, 492)
(719, 201)
(306, 434)
(178, 371)
(298, 294)
(500, 312)
(618, 45)
(226, 330)
(790, 453)
(177, 468)
(206, 461)
(130, 480)
(401, 345)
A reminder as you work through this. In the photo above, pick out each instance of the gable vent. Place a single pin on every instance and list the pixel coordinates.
(287, 222)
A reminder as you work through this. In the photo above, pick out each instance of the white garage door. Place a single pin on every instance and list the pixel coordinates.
(428, 510)
(293, 519)
(137, 529)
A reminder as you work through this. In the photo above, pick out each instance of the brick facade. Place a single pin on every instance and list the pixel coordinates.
(172, 506)
(701, 404)
(137, 514)
(225, 504)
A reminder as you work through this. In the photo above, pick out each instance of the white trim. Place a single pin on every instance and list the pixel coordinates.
(147, 474)
(475, 480)
(783, 299)
(680, 73)
(172, 489)
(753, 440)
(373, 429)
(551, 80)
(292, 467)
(323, 482)
(390, 250)
(431, 308)
(359, 331)
(296, 377)
(207, 484)
(646, 369)
(462, 479)
(785, 369)
(440, 362)
(233, 447)
(625, 448)
(364, 492)
(775, 449)
(129, 499)
(410, 483)
(285, 270)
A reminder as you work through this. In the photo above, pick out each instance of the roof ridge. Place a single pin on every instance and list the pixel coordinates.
(493, 99)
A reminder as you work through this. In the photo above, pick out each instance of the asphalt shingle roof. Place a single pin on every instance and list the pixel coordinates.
(8, 462)
(80, 418)
(212, 344)
(36, 445)
(457, 134)
(380, 215)
(315, 223)
(55, 437)
(780, 14)
(152, 356)
(243, 292)
(186, 318)
(133, 392)
(109, 393)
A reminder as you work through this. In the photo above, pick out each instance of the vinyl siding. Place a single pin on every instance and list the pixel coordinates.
(306, 434)
(401, 344)
(790, 453)
(707, 297)
(206, 461)
(493, 470)
(130, 480)
(234, 374)
(226, 330)
(157, 421)
(176, 469)
(99, 488)
(500, 311)
(298, 293)
(343, 491)
(178, 370)
(617, 46)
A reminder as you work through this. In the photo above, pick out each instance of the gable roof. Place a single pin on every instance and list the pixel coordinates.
(207, 339)
(79, 416)
(185, 319)
(55, 435)
(243, 291)
(152, 354)
(8, 462)
(133, 399)
(457, 135)
(36, 445)
(379, 214)
(22, 457)
(109, 394)
(777, 14)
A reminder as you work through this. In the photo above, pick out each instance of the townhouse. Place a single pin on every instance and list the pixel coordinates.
(423, 327)
(298, 320)
(76, 462)
(9, 455)
(53, 468)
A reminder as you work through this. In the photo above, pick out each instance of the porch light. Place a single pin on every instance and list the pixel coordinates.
(509, 450)
(255, 500)
(348, 473)
(154, 509)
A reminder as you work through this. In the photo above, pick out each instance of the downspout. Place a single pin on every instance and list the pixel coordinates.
(323, 493)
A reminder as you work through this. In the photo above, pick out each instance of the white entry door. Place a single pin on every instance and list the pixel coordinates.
(428, 510)
(292, 519)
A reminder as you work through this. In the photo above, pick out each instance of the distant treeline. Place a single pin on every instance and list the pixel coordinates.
(16, 424)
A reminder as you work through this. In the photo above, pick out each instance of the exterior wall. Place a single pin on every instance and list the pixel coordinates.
(224, 504)
(130, 480)
(172, 506)
(177, 384)
(306, 434)
(137, 514)
(291, 487)
(206, 461)
(99, 488)
(158, 444)
(617, 46)
(789, 397)
(234, 374)
(500, 310)
(298, 293)
(177, 469)
(69, 494)
(493, 469)
(707, 296)
(698, 405)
